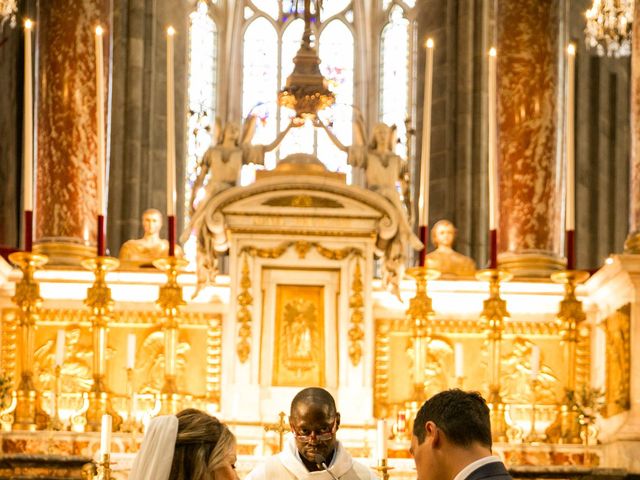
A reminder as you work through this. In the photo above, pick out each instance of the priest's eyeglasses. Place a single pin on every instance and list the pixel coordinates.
(321, 435)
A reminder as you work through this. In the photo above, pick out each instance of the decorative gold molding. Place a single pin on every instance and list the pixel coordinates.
(356, 303)
(302, 201)
(9, 351)
(476, 326)
(618, 361)
(245, 300)
(214, 360)
(121, 318)
(302, 247)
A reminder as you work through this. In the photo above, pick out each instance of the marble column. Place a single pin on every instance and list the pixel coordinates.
(632, 243)
(529, 145)
(66, 203)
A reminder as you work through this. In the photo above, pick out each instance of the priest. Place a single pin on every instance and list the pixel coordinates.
(313, 452)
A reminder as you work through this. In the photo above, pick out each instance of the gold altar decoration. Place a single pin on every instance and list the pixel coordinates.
(169, 302)
(299, 350)
(383, 468)
(281, 427)
(29, 414)
(571, 316)
(356, 303)
(245, 300)
(420, 313)
(100, 305)
(306, 90)
(494, 312)
(618, 361)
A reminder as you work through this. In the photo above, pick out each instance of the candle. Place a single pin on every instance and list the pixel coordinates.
(105, 435)
(535, 361)
(131, 350)
(570, 191)
(27, 156)
(493, 151)
(381, 440)
(60, 348)
(100, 119)
(459, 360)
(423, 204)
(171, 141)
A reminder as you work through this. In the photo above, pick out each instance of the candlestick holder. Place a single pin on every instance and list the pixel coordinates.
(100, 304)
(29, 414)
(130, 425)
(169, 302)
(534, 436)
(56, 423)
(570, 317)
(103, 472)
(420, 312)
(494, 312)
(384, 468)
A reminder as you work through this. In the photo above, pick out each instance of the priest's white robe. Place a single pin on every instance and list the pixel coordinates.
(287, 465)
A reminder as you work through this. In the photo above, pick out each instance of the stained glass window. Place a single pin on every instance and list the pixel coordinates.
(394, 75)
(201, 91)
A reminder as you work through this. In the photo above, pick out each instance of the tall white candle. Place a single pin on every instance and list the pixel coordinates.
(171, 141)
(27, 158)
(570, 220)
(423, 203)
(459, 360)
(105, 435)
(60, 348)
(381, 440)
(100, 120)
(535, 361)
(131, 350)
(493, 140)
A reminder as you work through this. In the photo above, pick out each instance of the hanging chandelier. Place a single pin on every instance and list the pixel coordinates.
(8, 9)
(306, 90)
(608, 29)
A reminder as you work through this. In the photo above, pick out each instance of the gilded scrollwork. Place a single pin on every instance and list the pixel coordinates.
(245, 300)
(302, 247)
(356, 303)
(618, 361)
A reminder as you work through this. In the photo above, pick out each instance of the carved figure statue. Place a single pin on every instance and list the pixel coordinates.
(219, 170)
(450, 262)
(384, 170)
(143, 251)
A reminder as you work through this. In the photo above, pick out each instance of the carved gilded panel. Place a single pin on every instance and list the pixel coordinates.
(618, 357)
(299, 350)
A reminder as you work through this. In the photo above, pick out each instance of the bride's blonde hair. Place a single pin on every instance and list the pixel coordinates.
(202, 444)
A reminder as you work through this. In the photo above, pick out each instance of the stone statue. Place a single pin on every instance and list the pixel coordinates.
(450, 262)
(219, 170)
(383, 171)
(143, 251)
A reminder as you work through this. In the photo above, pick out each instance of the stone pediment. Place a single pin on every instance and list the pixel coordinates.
(302, 204)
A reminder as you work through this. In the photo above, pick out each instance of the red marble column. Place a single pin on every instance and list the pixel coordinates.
(632, 244)
(529, 148)
(66, 203)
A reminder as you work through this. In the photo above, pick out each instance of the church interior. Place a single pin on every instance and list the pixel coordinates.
(216, 203)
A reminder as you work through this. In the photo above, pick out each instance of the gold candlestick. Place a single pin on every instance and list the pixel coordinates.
(383, 467)
(56, 423)
(494, 312)
(570, 317)
(534, 436)
(420, 312)
(101, 305)
(29, 414)
(104, 468)
(169, 301)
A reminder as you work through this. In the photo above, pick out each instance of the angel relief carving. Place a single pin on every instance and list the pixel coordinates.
(219, 169)
(150, 359)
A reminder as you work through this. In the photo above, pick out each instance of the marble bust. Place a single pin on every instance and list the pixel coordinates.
(143, 251)
(450, 263)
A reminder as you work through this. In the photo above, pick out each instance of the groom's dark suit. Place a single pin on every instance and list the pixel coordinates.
(493, 471)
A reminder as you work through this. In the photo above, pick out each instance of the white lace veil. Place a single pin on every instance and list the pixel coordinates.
(153, 461)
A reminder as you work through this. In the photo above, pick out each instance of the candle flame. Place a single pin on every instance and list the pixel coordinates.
(430, 43)
(28, 24)
(171, 31)
(492, 52)
(571, 49)
(99, 31)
